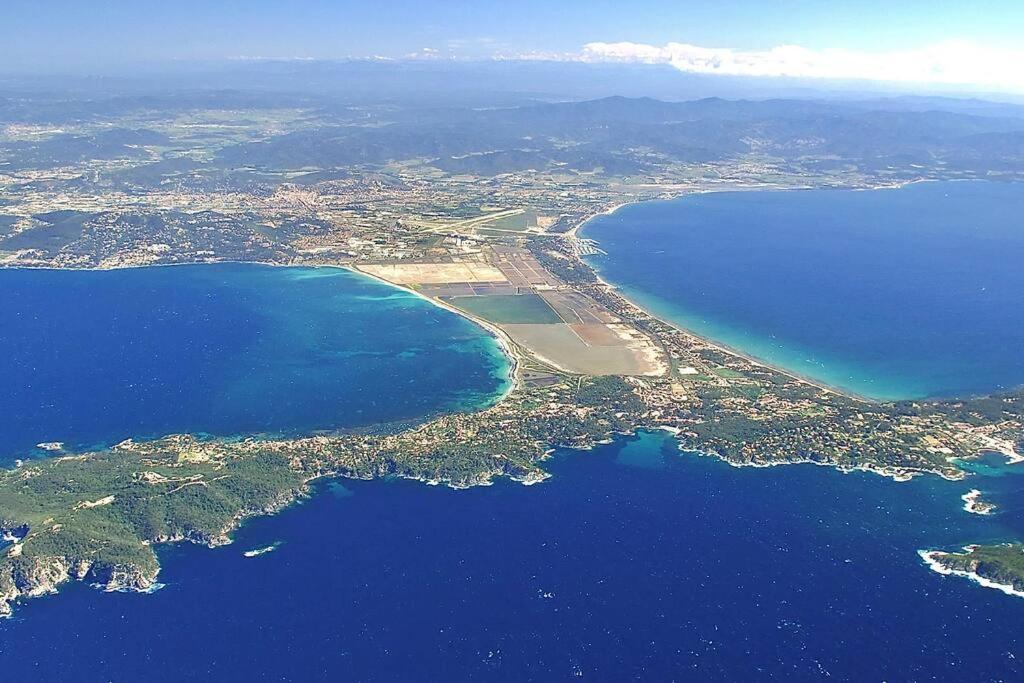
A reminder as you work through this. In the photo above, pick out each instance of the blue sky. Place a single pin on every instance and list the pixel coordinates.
(63, 34)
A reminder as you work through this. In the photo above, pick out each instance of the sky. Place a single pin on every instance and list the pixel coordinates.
(979, 43)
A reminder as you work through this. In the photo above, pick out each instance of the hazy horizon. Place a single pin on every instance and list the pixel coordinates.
(521, 80)
(915, 46)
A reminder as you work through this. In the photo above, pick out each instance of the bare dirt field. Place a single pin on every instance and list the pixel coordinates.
(597, 335)
(561, 346)
(577, 309)
(434, 273)
(561, 327)
(468, 289)
(522, 269)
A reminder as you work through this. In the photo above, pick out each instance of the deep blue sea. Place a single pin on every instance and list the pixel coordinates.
(634, 562)
(895, 293)
(91, 358)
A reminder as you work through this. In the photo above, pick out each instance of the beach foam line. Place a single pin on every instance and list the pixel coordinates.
(897, 474)
(256, 552)
(974, 505)
(106, 588)
(929, 558)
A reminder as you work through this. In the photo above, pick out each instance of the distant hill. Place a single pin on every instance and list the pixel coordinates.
(115, 143)
(616, 133)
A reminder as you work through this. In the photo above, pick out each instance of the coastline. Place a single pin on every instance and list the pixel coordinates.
(897, 474)
(509, 348)
(578, 228)
(515, 355)
(714, 343)
(530, 478)
(974, 504)
(510, 381)
(724, 348)
(577, 232)
(929, 557)
(505, 343)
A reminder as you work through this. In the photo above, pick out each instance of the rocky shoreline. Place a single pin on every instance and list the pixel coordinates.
(998, 567)
(975, 505)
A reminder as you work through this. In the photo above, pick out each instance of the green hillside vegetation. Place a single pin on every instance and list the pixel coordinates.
(1003, 563)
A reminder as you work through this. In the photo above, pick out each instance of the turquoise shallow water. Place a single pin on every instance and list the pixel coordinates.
(91, 358)
(897, 293)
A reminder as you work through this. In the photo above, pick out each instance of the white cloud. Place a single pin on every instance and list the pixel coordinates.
(428, 53)
(954, 63)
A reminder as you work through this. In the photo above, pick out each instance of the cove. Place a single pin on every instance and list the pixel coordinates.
(89, 358)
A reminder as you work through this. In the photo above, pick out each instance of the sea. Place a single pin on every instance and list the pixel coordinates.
(636, 560)
(89, 358)
(893, 293)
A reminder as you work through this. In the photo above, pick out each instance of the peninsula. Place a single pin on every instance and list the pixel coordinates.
(488, 235)
(588, 365)
(992, 566)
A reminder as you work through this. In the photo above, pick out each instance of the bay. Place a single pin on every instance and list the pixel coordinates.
(91, 358)
(890, 293)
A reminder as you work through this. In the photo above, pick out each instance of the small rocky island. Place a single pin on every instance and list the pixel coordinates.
(974, 504)
(993, 566)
